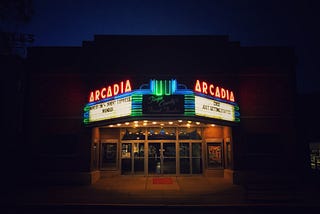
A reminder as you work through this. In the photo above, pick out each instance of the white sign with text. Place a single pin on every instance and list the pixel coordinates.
(111, 109)
(214, 109)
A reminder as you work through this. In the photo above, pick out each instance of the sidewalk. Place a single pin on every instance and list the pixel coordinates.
(124, 191)
(139, 191)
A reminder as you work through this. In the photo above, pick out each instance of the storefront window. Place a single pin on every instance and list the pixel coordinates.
(190, 133)
(214, 155)
(314, 155)
(162, 133)
(108, 155)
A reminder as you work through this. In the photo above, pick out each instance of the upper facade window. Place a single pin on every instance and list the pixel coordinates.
(162, 133)
(134, 134)
(190, 133)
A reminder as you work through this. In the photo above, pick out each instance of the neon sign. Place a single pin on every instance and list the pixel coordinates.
(110, 91)
(163, 87)
(163, 97)
(214, 91)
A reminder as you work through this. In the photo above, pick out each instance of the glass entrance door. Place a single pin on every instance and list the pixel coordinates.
(126, 158)
(162, 158)
(138, 158)
(169, 158)
(190, 158)
(132, 158)
(154, 160)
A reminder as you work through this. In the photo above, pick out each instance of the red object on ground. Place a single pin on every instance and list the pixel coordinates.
(162, 181)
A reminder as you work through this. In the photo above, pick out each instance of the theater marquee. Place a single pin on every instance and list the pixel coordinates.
(162, 98)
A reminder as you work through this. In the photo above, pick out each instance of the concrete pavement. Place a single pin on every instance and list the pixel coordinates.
(135, 191)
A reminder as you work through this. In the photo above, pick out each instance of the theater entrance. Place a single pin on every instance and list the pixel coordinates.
(161, 158)
(176, 150)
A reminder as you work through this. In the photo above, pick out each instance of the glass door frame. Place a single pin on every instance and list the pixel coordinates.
(190, 157)
(132, 158)
(176, 141)
(162, 157)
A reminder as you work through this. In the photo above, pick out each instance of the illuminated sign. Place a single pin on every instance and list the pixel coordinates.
(214, 91)
(110, 109)
(163, 87)
(161, 97)
(214, 109)
(110, 91)
(173, 104)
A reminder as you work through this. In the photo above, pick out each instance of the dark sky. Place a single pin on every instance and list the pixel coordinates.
(255, 22)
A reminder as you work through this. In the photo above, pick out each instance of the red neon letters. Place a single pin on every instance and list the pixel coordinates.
(110, 91)
(214, 91)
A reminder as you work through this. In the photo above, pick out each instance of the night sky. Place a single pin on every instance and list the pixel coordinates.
(252, 23)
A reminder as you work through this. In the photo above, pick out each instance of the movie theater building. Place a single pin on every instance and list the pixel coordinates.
(160, 106)
(163, 127)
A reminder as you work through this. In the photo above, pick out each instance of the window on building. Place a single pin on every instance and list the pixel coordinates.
(190, 133)
(161, 133)
(108, 156)
(134, 134)
(315, 155)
